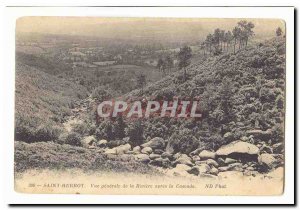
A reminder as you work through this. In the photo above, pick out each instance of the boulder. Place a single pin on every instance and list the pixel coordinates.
(136, 150)
(123, 149)
(196, 158)
(278, 148)
(221, 161)
(200, 169)
(212, 162)
(167, 155)
(88, 141)
(267, 160)
(230, 160)
(142, 158)
(180, 170)
(158, 151)
(239, 147)
(161, 162)
(184, 159)
(147, 150)
(112, 151)
(155, 143)
(235, 167)
(115, 143)
(102, 143)
(214, 170)
(154, 156)
(205, 154)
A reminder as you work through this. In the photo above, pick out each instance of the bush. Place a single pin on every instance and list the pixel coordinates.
(73, 139)
(135, 132)
(183, 141)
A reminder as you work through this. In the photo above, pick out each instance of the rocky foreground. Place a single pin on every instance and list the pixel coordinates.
(238, 156)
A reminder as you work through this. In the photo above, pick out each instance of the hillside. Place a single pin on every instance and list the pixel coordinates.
(42, 101)
(238, 93)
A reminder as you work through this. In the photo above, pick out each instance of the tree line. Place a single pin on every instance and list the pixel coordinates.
(221, 40)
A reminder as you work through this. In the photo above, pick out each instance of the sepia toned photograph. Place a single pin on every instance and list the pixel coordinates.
(149, 106)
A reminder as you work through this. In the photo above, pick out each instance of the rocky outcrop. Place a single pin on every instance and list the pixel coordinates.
(239, 147)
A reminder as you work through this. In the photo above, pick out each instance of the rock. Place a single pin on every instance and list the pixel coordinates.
(212, 162)
(235, 167)
(260, 134)
(221, 162)
(183, 167)
(180, 170)
(214, 170)
(267, 160)
(100, 151)
(155, 143)
(230, 160)
(147, 150)
(228, 136)
(184, 159)
(88, 141)
(196, 152)
(158, 151)
(223, 168)
(278, 148)
(196, 170)
(167, 155)
(238, 147)
(205, 154)
(111, 151)
(160, 162)
(115, 143)
(142, 158)
(136, 150)
(177, 155)
(196, 158)
(102, 143)
(265, 149)
(154, 156)
(123, 149)
(250, 168)
(92, 147)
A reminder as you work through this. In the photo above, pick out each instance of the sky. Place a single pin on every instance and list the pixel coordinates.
(177, 29)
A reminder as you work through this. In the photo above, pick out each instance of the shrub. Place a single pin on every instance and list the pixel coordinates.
(135, 132)
(73, 139)
(183, 141)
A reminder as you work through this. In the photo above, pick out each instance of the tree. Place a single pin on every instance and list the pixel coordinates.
(246, 32)
(168, 63)
(184, 56)
(141, 81)
(278, 31)
(160, 63)
(236, 36)
(209, 41)
(228, 38)
(216, 37)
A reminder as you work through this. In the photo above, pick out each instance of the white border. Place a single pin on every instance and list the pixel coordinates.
(11, 14)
